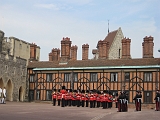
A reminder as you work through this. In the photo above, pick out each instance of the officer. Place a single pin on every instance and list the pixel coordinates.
(138, 100)
(157, 99)
(120, 102)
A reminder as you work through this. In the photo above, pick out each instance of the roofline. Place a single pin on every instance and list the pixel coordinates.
(98, 68)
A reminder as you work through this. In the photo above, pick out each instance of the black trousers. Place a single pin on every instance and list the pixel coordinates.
(98, 104)
(94, 103)
(104, 105)
(78, 103)
(63, 102)
(116, 104)
(66, 102)
(83, 103)
(109, 104)
(70, 102)
(86, 103)
(59, 102)
(54, 102)
(73, 102)
(91, 104)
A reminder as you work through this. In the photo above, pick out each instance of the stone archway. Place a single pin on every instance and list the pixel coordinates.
(1, 83)
(21, 94)
(9, 91)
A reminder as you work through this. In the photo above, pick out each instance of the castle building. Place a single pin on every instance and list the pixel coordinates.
(14, 57)
(112, 69)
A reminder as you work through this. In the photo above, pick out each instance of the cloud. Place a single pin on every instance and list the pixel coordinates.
(48, 6)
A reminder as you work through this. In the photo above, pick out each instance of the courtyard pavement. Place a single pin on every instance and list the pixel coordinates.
(45, 111)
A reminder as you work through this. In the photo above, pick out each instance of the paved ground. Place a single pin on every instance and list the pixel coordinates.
(44, 111)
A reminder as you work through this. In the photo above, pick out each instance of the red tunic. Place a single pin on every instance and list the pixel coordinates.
(59, 96)
(54, 96)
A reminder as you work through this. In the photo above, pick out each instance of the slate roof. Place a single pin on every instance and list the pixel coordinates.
(110, 37)
(96, 63)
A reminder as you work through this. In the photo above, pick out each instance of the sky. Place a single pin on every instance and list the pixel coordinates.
(46, 22)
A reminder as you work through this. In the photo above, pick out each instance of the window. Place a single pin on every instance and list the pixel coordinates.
(6, 68)
(38, 95)
(93, 77)
(75, 77)
(66, 77)
(147, 96)
(114, 76)
(49, 95)
(49, 77)
(127, 76)
(31, 78)
(119, 53)
(147, 76)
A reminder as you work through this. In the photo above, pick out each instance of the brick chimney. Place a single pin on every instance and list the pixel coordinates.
(105, 49)
(74, 52)
(126, 48)
(85, 48)
(33, 47)
(148, 47)
(65, 49)
(54, 55)
(100, 48)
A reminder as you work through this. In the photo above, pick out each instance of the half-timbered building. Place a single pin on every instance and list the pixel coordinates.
(106, 71)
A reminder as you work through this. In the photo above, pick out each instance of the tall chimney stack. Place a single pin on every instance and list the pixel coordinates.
(54, 55)
(65, 49)
(74, 52)
(148, 47)
(126, 48)
(85, 48)
(33, 47)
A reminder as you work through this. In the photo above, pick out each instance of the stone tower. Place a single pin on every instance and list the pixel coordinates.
(1, 39)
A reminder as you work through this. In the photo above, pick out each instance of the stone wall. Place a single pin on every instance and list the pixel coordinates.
(116, 46)
(13, 77)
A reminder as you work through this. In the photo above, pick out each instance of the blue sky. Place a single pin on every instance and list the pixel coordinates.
(46, 22)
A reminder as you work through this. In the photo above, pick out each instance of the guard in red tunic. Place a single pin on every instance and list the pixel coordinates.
(54, 98)
(63, 92)
(70, 98)
(87, 98)
(94, 98)
(116, 100)
(91, 99)
(157, 99)
(78, 99)
(110, 100)
(104, 100)
(98, 99)
(59, 97)
(66, 98)
(74, 97)
(83, 98)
